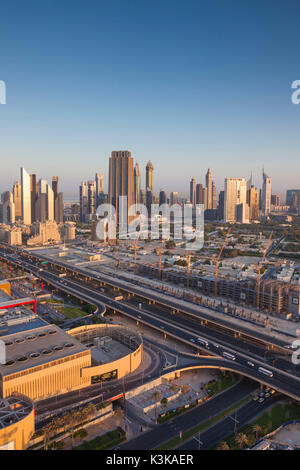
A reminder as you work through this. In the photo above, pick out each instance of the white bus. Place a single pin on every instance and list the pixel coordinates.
(228, 356)
(265, 372)
(202, 341)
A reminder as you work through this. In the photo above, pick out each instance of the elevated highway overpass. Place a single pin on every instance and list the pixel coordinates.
(245, 362)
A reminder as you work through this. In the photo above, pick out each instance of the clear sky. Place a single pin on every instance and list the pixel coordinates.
(188, 84)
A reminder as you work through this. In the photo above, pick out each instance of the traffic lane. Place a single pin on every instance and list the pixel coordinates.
(224, 428)
(215, 335)
(170, 429)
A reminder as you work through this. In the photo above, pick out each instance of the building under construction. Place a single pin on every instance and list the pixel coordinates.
(274, 296)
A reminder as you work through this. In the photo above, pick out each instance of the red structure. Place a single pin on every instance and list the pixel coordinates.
(18, 303)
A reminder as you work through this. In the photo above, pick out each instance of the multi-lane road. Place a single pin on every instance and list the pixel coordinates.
(244, 359)
(171, 429)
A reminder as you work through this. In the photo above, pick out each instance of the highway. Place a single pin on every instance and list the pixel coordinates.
(244, 362)
(224, 428)
(163, 299)
(171, 429)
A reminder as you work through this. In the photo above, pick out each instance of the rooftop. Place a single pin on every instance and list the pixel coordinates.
(37, 346)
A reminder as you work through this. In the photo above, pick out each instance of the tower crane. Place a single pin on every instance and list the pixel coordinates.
(259, 270)
(218, 259)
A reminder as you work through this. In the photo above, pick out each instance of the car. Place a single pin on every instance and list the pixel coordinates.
(192, 340)
(139, 316)
(251, 364)
(261, 394)
(255, 398)
(273, 391)
(267, 395)
(261, 400)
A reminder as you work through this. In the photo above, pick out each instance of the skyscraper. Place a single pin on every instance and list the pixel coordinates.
(17, 199)
(174, 198)
(199, 194)
(266, 194)
(121, 179)
(8, 208)
(137, 184)
(83, 198)
(99, 187)
(253, 201)
(33, 196)
(235, 193)
(149, 176)
(214, 196)
(50, 203)
(91, 198)
(25, 197)
(209, 188)
(193, 197)
(162, 197)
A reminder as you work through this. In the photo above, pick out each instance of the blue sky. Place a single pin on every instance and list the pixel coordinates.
(187, 84)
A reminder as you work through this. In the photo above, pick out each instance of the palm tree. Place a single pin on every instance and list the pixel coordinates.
(241, 440)
(223, 446)
(256, 428)
(156, 397)
(49, 431)
(119, 413)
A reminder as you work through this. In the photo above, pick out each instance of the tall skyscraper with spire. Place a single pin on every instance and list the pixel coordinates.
(149, 176)
(209, 190)
(137, 183)
(193, 196)
(266, 194)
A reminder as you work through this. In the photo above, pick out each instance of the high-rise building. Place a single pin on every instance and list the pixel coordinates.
(235, 193)
(174, 198)
(214, 196)
(50, 203)
(275, 200)
(143, 197)
(266, 194)
(209, 188)
(33, 196)
(17, 199)
(193, 196)
(253, 202)
(162, 197)
(99, 187)
(91, 198)
(242, 213)
(149, 176)
(83, 198)
(220, 213)
(59, 208)
(8, 208)
(199, 194)
(293, 198)
(121, 179)
(25, 197)
(137, 184)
